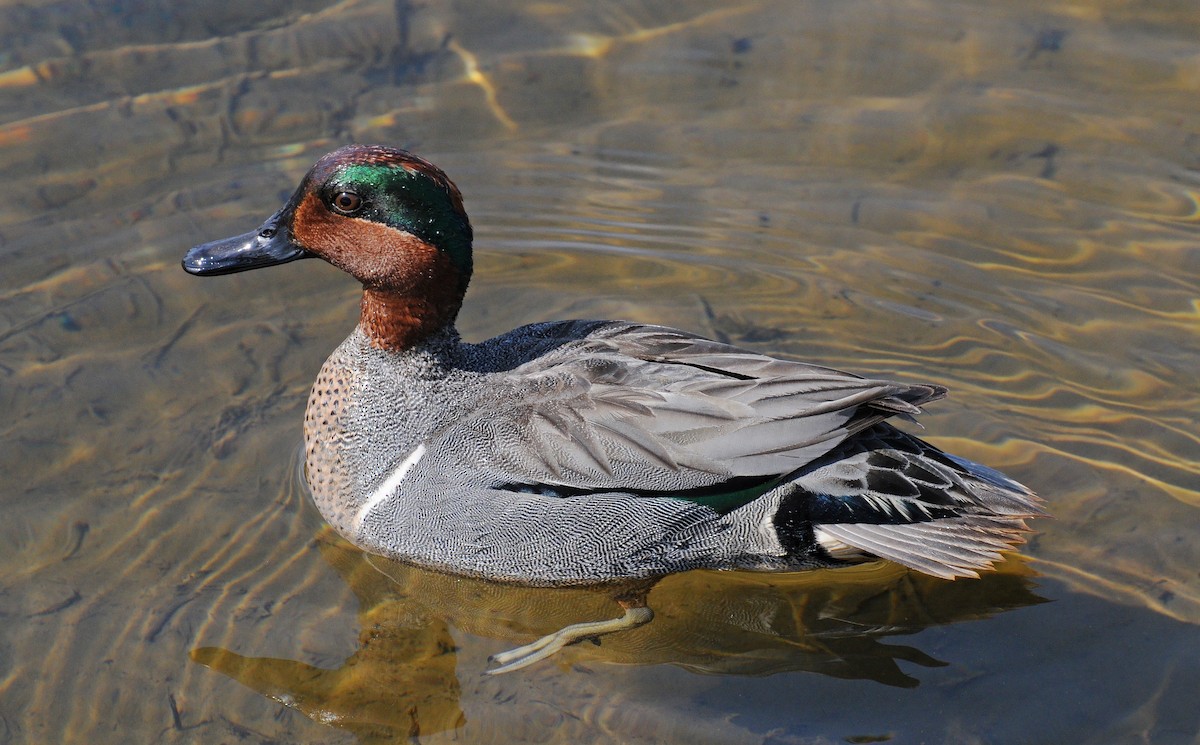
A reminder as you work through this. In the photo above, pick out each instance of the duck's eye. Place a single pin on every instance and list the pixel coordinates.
(347, 202)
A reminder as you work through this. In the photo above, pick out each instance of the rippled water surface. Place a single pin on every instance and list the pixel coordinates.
(1000, 197)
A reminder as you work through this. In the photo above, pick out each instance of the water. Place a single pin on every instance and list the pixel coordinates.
(998, 197)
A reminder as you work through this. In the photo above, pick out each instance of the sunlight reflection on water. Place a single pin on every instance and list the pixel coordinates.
(1000, 198)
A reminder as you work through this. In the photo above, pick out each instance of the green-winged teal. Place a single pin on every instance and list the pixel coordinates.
(576, 452)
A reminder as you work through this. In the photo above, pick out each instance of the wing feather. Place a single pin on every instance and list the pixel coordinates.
(651, 408)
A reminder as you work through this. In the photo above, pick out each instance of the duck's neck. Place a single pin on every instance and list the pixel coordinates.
(396, 322)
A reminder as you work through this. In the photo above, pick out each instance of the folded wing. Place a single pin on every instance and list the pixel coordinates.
(648, 409)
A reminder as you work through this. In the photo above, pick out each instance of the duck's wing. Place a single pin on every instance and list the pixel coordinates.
(650, 409)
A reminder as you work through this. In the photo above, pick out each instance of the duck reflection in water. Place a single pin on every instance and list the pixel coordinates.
(404, 680)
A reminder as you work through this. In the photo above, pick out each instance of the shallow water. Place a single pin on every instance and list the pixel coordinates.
(1000, 197)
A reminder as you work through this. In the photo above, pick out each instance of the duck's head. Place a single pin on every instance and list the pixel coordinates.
(390, 219)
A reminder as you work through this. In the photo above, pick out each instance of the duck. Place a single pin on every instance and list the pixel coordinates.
(592, 452)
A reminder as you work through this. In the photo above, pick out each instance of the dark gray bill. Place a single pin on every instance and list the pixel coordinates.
(269, 245)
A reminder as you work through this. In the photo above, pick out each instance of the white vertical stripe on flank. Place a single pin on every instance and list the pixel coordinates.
(385, 489)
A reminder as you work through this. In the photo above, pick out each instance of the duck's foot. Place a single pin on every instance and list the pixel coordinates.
(515, 659)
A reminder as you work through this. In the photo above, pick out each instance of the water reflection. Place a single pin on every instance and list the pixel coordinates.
(1001, 197)
(402, 680)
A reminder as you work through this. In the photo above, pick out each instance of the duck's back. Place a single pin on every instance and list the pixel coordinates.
(584, 451)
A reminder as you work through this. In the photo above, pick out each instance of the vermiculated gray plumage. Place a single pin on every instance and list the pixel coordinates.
(578, 451)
